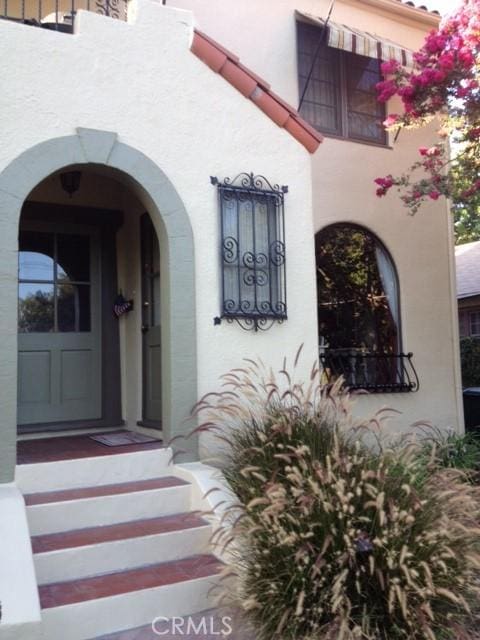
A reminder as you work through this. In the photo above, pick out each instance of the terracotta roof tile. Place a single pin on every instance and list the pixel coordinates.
(240, 79)
(267, 103)
(218, 46)
(297, 129)
(255, 89)
(212, 56)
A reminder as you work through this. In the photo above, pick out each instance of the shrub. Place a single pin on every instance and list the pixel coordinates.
(328, 537)
(454, 451)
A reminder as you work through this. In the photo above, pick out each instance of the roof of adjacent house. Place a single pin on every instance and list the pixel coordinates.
(254, 88)
(467, 259)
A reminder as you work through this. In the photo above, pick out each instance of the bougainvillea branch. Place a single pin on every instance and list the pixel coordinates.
(445, 83)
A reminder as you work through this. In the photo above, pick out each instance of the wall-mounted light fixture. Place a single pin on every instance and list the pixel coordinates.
(70, 181)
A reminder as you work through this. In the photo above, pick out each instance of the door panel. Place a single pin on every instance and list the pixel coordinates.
(76, 374)
(151, 329)
(59, 324)
(34, 376)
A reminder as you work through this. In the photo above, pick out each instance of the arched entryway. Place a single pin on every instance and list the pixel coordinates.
(100, 153)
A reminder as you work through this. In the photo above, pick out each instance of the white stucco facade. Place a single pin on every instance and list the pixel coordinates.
(147, 122)
(164, 102)
(263, 34)
(168, 105)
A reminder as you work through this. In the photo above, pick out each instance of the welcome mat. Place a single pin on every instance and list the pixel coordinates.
(122, 438)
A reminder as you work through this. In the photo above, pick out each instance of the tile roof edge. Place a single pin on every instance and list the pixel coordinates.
(254, 88)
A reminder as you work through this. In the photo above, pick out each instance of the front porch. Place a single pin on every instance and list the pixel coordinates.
(84, 362)
(74, 447)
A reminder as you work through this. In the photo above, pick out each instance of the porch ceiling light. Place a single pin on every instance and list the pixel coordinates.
(70, 181)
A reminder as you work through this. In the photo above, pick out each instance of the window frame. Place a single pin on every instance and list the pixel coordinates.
(260, 299)
(374, 370)
(55, 281)
(341, 91)
(471, 322)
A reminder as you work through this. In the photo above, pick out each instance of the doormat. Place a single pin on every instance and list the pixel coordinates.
(122, 438)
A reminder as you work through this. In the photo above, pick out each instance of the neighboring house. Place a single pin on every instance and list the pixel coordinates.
(141, 160)
(467, 259)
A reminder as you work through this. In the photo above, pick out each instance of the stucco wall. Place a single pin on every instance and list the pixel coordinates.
(141, 81)
(262, 33)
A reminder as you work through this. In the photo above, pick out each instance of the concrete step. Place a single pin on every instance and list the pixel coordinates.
(102, 604)
(84, 552)
(93, 506)
(97, 470)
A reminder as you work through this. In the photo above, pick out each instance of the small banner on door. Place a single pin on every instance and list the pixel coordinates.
(121, 306)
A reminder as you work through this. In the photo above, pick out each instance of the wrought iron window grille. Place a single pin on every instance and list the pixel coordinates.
(252, 251)
(370, 371)
(59, 16)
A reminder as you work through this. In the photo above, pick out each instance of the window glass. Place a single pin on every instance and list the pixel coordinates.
(54, 304)
(357, 291)
(73, 255)
(35, 308)
(475, 323)
(340, 97)
(73, 307)
(36, 256)
(253, 249)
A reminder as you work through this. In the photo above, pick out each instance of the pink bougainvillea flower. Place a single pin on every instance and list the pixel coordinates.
(390, 67)
(444, 82)
(391, 120)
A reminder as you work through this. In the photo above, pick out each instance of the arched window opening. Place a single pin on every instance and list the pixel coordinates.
(359, 311)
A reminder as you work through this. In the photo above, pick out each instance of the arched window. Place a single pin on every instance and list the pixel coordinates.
(359, 311)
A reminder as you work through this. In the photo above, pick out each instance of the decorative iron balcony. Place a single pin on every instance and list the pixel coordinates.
(58, 15)
(371, 371)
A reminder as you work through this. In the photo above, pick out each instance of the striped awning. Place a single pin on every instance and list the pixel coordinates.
(365, 44)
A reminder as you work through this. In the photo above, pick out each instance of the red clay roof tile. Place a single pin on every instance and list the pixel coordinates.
(218, 46)
(297, 129)
(256, 89)
(270, 106)
(209, 54)
(240, 79)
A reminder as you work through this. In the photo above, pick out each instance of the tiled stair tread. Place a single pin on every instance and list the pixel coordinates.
(110, 533)
(157, 575)
(104, 490)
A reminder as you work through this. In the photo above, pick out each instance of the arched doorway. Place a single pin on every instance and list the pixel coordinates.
(99, 152)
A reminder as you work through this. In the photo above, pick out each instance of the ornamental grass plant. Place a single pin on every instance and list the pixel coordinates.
(331, 533)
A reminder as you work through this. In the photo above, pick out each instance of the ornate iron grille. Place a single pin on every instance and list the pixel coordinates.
(58, 15)
(373, 372)
(252, 251)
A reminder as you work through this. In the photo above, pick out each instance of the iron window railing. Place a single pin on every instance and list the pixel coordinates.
(58, 15)
(371, 371)
(252, 251)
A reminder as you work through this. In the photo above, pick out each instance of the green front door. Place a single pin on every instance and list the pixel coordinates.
(59, 324)
(152, 348)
